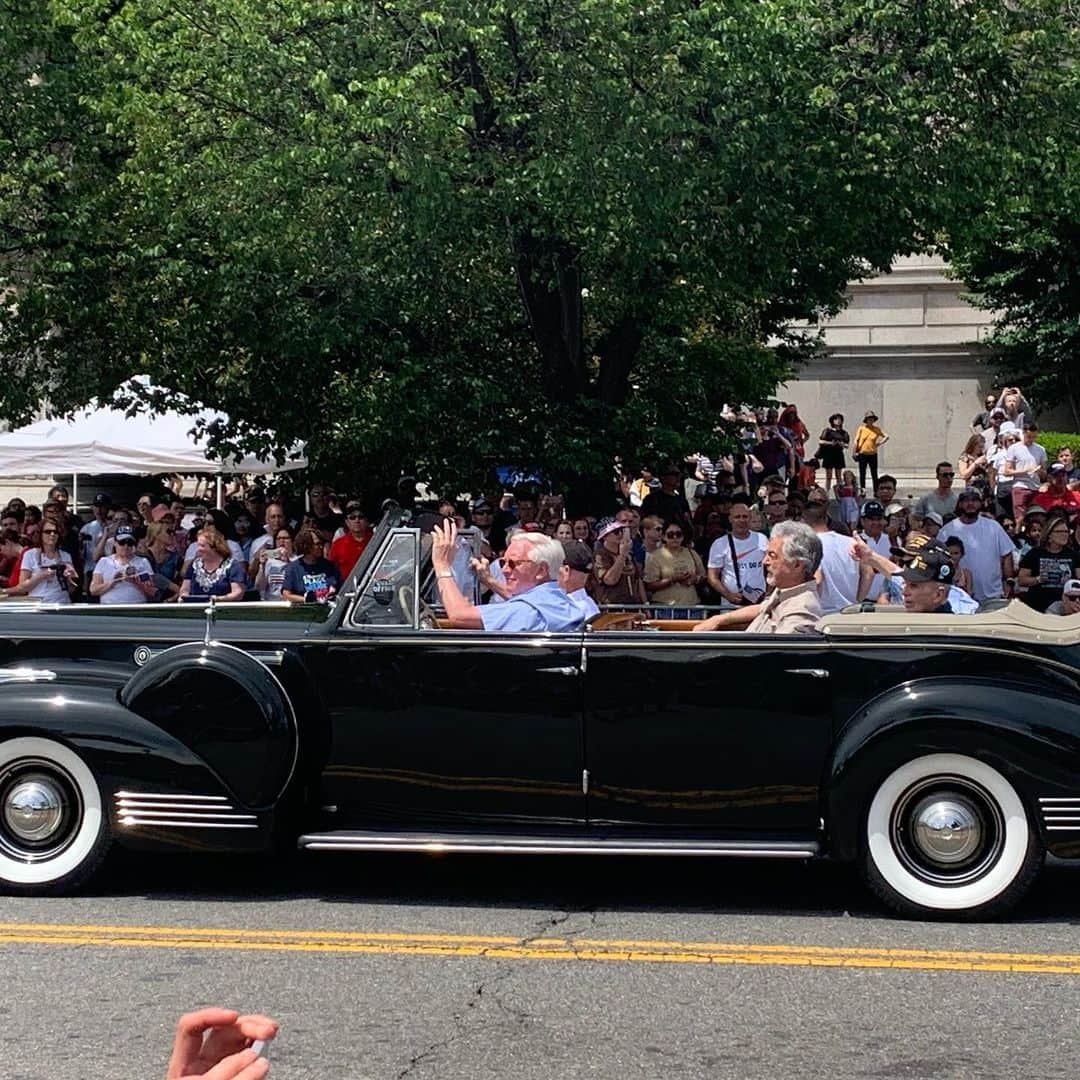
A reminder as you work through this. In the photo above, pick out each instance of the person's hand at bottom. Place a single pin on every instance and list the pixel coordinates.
(215, 1044)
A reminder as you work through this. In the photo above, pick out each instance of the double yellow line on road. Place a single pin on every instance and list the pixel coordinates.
(565, 949)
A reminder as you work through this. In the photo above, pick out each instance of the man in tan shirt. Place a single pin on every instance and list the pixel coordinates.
(791, 560)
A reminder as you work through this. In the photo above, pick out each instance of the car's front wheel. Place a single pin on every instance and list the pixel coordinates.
(948, 835)
(53, 829)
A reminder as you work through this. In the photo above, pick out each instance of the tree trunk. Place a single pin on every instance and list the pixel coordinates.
(550, 282)
(618, 350)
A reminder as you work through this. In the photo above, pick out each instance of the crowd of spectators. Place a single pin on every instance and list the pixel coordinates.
(165, 549)
(1001, 521)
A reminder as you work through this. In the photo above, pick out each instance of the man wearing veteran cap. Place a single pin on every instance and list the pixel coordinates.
(927, 578)
(959, 602)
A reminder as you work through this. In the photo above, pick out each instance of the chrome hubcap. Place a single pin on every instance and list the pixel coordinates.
(33, 809)
(946, 830)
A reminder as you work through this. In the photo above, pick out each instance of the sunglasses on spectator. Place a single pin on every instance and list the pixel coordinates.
(946, 474)
(513, 564)
(673, 535)
(655, 528)
(126, 542)
(50, 532)
(778, 502)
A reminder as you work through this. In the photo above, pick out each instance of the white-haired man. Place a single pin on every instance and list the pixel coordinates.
(534, 602)
(791, 560)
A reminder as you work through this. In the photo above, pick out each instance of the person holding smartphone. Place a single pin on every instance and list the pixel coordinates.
(123, 577)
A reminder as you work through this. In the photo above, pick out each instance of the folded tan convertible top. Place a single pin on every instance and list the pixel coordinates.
(1013, 622)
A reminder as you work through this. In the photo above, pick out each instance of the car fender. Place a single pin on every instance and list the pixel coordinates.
(1010, 722)
(122, 748)
(228, 708)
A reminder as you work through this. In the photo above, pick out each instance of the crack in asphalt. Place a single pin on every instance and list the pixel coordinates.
(490, 987)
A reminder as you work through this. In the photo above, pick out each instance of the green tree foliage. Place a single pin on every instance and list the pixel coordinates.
(475, 232)
(1029, 273)
(1021, 255)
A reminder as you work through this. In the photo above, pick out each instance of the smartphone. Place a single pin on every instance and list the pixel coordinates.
(259, 1046)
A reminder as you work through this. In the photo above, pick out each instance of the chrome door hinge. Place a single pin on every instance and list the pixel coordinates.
(584, 781)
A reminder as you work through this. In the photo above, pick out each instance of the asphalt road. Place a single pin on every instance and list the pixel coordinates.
(402, 966)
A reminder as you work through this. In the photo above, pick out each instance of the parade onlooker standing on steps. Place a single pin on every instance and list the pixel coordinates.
(868, 438)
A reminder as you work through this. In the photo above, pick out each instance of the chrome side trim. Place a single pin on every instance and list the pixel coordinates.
(170, 795)
(26, 674)
(813, 672)
(267, 657)
(177, 824)
(525, 846)
(153, 809)
(1060, 813)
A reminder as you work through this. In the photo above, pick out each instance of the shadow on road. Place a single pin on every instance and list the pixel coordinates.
(722, 886)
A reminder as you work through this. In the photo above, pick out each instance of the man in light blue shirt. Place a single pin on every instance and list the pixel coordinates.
(535, 601)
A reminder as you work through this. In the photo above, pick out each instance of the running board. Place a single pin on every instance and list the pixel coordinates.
(432, 842)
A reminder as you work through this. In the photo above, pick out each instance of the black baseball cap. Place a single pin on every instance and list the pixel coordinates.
(930, 563)
(873, 508)
(970, 493)
(101, 499)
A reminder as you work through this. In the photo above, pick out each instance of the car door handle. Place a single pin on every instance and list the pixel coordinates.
(560, 671)
(813, 672)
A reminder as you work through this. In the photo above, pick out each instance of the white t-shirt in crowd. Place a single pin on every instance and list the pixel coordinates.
(90, 534)
(996, 460)
(258, 544)
(123, 592)
(985, 542)
(51, 589)
(1022, 458)
(883, 546)
(839, 573)
(234, 548)
(275, 578)
(750, 553)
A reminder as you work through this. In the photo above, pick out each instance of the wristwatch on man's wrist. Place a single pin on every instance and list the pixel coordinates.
(444, 573)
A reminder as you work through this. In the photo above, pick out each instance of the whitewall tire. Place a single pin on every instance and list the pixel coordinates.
(948, 835)
(53, 827)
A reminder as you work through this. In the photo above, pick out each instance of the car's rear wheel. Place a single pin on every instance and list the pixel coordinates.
(947, 835)
(53, 830)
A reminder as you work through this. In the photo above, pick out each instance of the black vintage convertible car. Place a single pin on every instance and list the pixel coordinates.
(939, 753)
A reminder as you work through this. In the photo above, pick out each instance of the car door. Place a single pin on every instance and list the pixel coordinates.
(720, 731)
(444, 727)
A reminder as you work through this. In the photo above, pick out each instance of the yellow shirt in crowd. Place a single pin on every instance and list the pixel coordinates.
(867, 437)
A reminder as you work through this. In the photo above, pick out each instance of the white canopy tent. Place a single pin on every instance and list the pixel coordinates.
(103, 438)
